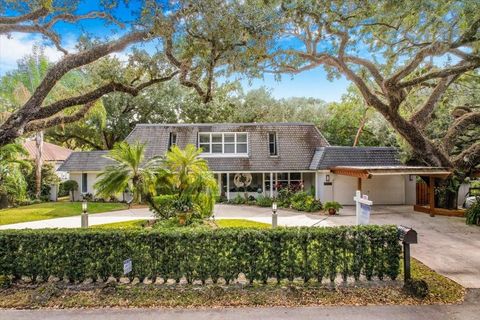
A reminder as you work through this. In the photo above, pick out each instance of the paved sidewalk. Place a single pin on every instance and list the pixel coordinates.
(469, 310)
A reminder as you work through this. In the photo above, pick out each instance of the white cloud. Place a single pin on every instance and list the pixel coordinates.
(18, 45)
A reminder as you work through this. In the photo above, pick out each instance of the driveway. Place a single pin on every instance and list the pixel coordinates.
(446, 244)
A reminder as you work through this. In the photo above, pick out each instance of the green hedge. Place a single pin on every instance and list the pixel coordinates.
(282, 253)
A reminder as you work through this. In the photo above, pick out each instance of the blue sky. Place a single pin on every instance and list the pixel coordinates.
(312, 83)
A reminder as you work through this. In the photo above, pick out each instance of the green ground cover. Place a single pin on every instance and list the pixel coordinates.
(50, 210)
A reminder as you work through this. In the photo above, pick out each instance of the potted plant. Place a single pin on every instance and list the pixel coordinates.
(332, 207)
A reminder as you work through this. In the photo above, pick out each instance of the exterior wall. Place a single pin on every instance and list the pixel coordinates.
(389, 189)
(91, 179)
(410, 189)
(324, 188)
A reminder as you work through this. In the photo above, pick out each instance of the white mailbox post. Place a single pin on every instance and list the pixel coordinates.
(362, 208)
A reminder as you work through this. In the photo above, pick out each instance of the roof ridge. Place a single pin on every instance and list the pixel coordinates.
(223, 123)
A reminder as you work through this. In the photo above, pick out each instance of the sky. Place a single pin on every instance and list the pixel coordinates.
(312, 83)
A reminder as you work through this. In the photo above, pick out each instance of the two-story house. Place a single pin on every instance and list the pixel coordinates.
(267, 156)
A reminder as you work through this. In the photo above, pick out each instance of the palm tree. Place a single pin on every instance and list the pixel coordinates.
(13, 186)
(129, 171)
(188, 176)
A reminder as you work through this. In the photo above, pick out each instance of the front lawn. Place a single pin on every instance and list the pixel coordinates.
(241, 223)
(223, 223)
(50, 210)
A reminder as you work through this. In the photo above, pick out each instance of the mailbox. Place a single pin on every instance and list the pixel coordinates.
(407, 235)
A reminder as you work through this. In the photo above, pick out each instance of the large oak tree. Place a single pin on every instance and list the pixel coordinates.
(392, 51)
(194, 42)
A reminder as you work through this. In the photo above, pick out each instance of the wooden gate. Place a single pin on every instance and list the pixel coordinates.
(422, 193)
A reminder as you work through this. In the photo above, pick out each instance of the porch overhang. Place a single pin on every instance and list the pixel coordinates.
(365, 172)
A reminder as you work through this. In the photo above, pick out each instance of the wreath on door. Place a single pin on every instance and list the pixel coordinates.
(242, 180)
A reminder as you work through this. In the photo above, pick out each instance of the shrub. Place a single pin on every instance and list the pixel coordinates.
(199, 254)
(164, 206)
(417, 288)
(238, 200)
(302, 201)
(67, 188)
(473, 213)
(263, 201)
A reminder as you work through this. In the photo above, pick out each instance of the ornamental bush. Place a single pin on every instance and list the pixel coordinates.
(198, 254)
(472, 214)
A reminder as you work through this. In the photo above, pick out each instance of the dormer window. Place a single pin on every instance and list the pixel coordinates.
(172, 141)
(223, 143)
(272, 144)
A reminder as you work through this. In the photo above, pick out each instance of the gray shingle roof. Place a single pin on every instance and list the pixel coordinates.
(329, 157)
(297, 143)
(86, 161)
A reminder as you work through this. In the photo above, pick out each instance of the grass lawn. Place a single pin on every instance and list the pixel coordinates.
(62, 295)
(50, 210)
(223, 223)
(241, 223)
(132, 224)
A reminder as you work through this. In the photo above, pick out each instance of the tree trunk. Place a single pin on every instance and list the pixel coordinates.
(360, 128)
(38, 164)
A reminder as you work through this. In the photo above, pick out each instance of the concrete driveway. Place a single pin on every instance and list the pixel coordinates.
(446, 244)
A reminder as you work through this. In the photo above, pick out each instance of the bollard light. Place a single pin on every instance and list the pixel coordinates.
(84, 218)
(274, 214)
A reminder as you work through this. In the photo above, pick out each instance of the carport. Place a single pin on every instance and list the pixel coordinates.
(387, 184)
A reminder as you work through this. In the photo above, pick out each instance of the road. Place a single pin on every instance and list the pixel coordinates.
(470, 309)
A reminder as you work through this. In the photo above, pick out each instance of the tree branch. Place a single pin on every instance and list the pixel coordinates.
(469, 158)
(423, 115)
(58, 106)
(458, 127)
(42, 12)
(455, 70)
(51, 122)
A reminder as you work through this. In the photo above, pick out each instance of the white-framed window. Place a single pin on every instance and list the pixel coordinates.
(272, 144)
(227, 143)
(172, 140)
(84, 182)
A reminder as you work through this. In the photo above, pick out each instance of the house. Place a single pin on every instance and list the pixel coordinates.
(260, 158)
(51, 154)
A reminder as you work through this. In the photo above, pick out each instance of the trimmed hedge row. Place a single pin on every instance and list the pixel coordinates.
(281, 253)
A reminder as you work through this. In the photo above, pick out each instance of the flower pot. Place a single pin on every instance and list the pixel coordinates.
(332, 211)
(182, 218)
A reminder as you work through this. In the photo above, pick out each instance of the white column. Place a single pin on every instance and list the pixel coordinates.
(219, 182)
(317, 186)
(263, 184)
(228, 186)
(271, 184)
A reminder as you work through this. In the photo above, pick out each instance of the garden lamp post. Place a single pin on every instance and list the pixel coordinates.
(274, 214)
(84, 214)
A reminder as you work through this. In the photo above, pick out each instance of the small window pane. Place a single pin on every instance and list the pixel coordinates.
(295, 176)
(205, 148)
(216, 148)
(229, 137)
(216, 138)
(272, 149)
(242, 148)
(241, 137)
(204, 137)
(282, 176)
(229, 148)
